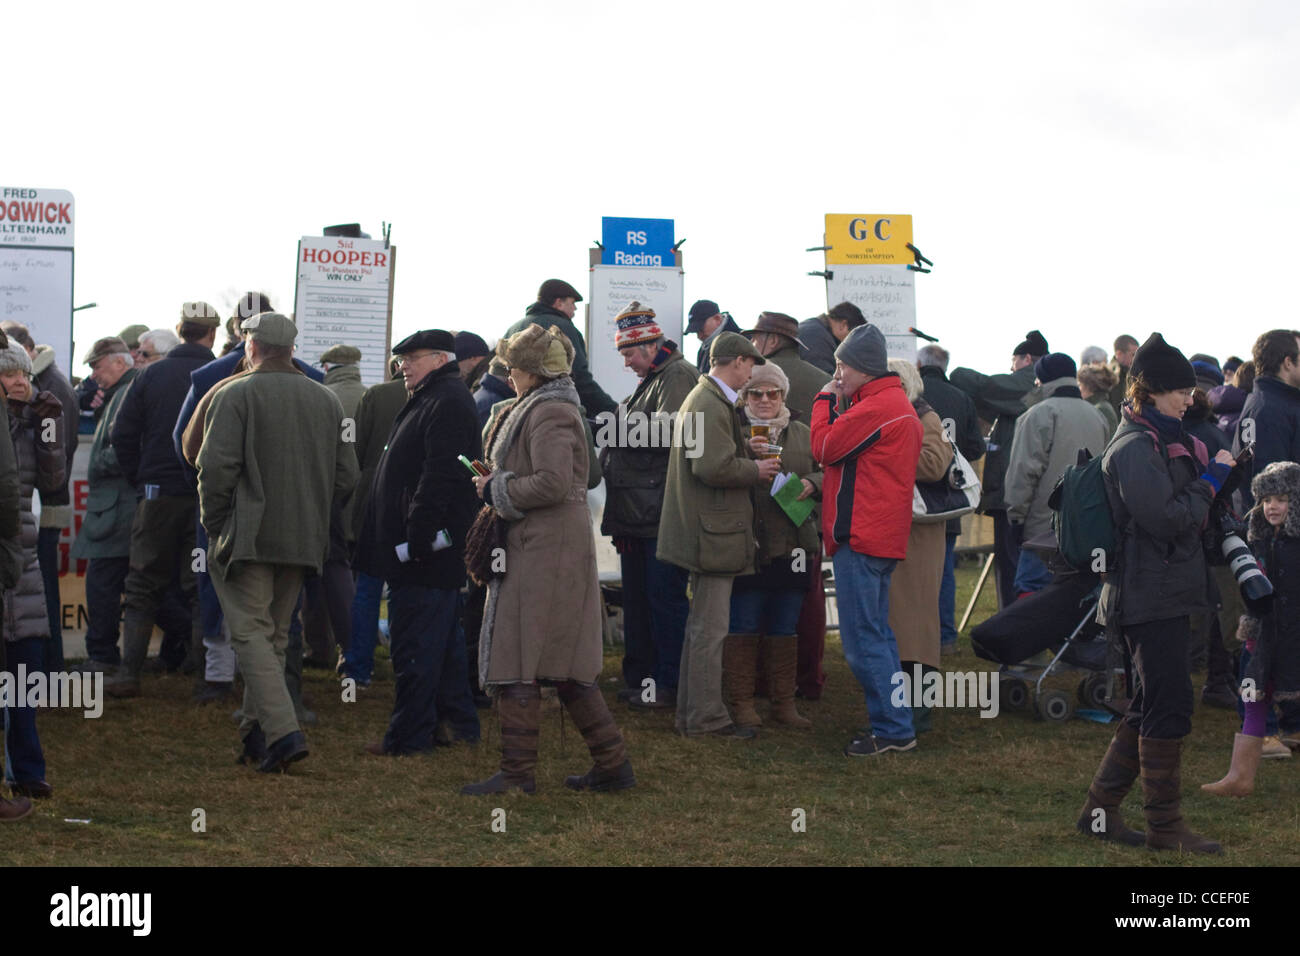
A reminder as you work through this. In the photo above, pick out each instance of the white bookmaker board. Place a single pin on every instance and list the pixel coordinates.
(345, 296)
(36, 237)
(887, 297)
(613, 288)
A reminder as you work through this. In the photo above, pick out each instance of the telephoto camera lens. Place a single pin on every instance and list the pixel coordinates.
(1256, 588)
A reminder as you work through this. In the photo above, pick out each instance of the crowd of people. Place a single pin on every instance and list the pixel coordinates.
(255, 507)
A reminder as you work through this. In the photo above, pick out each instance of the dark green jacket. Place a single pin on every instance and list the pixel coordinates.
(345, 382)
(594, 399)
(707, 523)
(273, 467)
(110, 503)
(806, 380)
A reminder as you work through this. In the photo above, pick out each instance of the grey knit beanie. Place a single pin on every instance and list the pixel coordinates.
(14, 358)
(864, 349)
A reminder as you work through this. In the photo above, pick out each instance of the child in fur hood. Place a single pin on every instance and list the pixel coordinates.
(1273, 639)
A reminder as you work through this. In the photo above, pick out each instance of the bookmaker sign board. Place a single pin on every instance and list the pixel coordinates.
(345, 296)
(36, 234)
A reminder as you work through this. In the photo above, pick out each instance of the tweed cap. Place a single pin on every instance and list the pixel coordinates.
(131, 335)
(111, 345)
(341, 355)
(200, 313)
(734, 345)
(270, 328)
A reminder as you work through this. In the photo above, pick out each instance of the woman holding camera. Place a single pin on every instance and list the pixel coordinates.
(1160, 484)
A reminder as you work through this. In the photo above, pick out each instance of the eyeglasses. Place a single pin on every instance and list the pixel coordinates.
(763, 394)
(410, 358)
(147, 355)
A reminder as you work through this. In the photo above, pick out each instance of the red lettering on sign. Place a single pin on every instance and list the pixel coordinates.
(64, 215)
(381, 260)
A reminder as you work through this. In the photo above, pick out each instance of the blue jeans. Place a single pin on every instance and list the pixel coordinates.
(359, 661)
(654, 615)
(948, 597)
(428, 650)
(209, 606)
(1271, 728)
(757, 611)
(24, 761)
(862, 594)
(1031, 573)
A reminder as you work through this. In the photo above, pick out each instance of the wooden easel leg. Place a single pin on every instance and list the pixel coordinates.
(975, 595)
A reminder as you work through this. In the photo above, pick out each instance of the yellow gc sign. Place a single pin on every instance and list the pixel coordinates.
(868, 240)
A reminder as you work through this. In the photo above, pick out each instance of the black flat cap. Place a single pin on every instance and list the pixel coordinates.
(553, 289)
(435, 339)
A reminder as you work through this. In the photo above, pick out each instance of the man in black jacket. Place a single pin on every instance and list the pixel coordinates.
(557, 304)
(421, 505)
(1000, 399)
(961, 425)
(162, 537)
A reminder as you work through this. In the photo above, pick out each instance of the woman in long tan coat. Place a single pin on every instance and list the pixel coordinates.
(542, 618)
(914, 589)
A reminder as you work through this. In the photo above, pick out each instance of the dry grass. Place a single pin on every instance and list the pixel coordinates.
(976, 792)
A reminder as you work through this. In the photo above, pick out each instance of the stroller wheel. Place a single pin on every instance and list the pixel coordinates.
(1092, 691)
(1014, 693)
(1055, 705)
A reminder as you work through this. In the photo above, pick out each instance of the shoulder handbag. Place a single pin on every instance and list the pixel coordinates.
(955, 494)
(486, 534)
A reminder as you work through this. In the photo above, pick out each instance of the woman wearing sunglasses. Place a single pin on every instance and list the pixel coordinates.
(765, 606)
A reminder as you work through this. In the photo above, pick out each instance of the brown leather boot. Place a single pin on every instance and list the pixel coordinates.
(521, 716)
(14, 809)
(1112, 782)
(1240, 780)
(739, 669)
(612, 770)
(781, 659)
(1162, 793)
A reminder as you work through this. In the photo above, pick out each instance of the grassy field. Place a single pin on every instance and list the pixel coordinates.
(976, 792)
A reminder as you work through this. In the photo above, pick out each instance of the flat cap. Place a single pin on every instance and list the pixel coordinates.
(270, 328)
(553, 289)
(200, 313)
(734, 345)
(341, 355)
(434, 339)
(112, 345)
(469, 345)
(131, 335)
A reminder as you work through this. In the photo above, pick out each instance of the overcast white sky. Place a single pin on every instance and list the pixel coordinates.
(1082, 168)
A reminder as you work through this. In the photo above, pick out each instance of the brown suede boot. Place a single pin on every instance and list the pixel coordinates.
(1162, 793)
(1112, 782)
(521, 716)
(590, 713)
(781, 658)
(1240, 781)
(739, 667)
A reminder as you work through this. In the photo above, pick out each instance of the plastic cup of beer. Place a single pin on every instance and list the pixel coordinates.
(773, 451)
(759, 429)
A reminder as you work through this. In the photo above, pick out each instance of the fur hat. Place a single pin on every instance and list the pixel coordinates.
(544, 352)
(1279, 478)
(14, 358)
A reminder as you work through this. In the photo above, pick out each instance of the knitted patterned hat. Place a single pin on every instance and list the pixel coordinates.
(635, 326)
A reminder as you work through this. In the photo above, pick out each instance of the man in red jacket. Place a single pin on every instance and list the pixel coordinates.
(869, 454)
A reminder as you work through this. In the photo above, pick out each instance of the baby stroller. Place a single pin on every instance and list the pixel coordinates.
(1060, 617)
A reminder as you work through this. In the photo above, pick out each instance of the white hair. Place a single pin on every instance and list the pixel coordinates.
(162, 340)
(911, 376)
(1092, 355)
